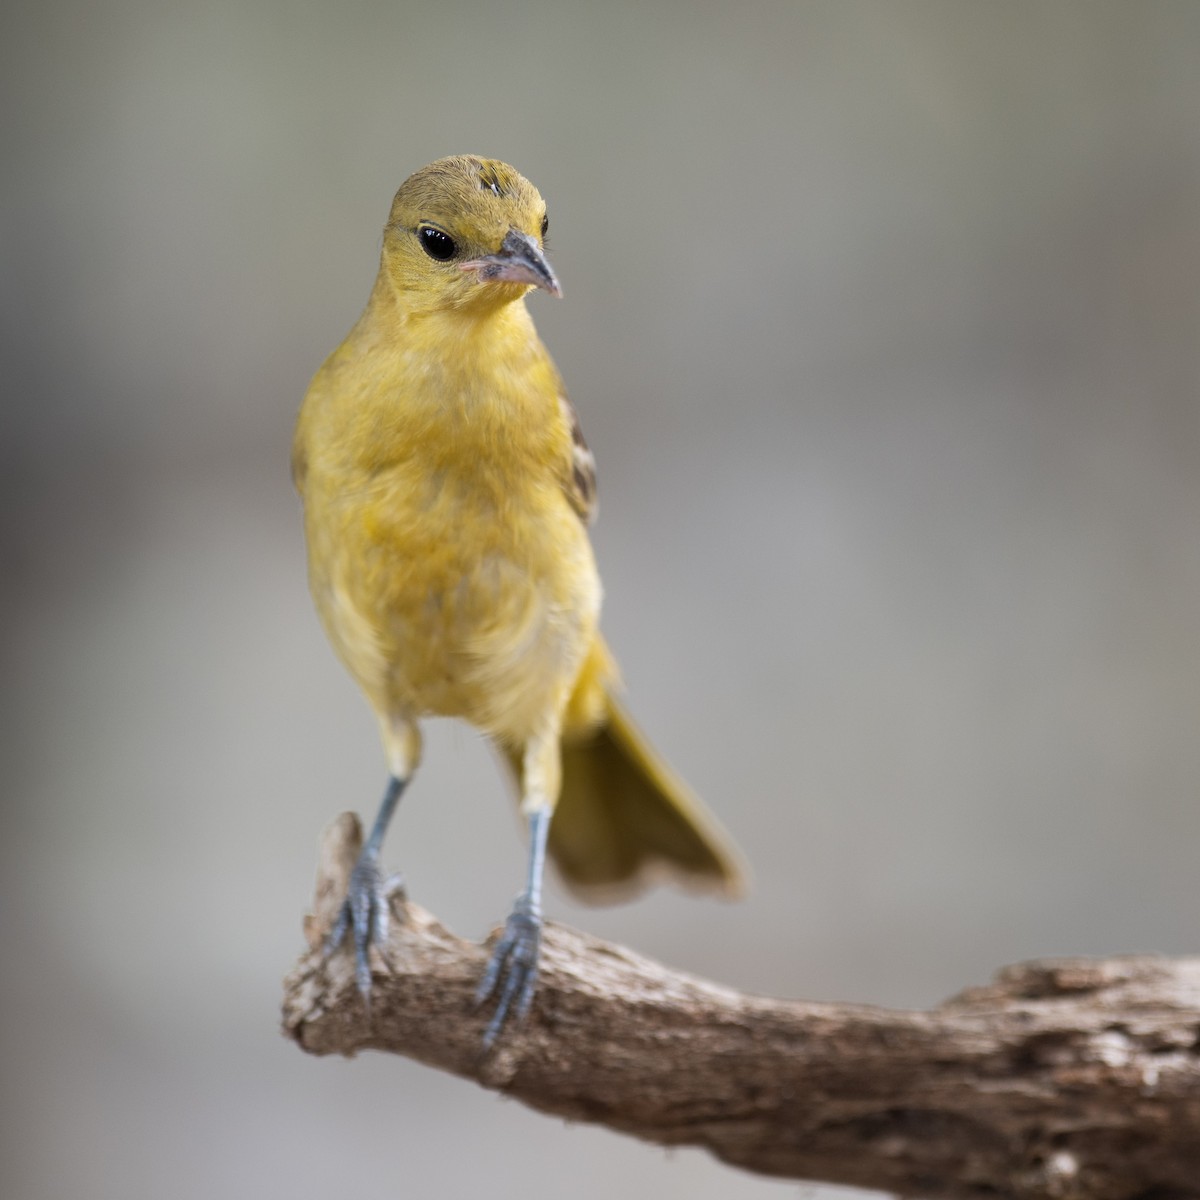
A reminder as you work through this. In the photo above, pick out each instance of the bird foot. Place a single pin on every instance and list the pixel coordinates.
(364, 915)
(512, 970)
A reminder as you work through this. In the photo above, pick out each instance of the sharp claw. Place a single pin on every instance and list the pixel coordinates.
(513, 968)
(495, 1025)
(362, 976)
(364, 915)
(525, 1000)
(337, 934)
(488, 982)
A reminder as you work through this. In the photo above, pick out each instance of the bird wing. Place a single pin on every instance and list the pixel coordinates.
(580, 481)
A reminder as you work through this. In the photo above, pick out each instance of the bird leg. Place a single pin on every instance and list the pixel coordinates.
(513, 968)
(364, 912)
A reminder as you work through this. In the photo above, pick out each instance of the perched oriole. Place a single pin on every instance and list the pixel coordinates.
(447, 490)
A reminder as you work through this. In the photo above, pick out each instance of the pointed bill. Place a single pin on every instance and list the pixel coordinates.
(520, 260)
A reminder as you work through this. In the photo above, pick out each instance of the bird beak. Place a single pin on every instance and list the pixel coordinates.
(520, 260)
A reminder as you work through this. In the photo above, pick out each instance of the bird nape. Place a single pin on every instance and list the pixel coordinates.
(447, 492)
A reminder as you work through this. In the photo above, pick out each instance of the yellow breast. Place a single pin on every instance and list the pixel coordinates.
(449, 568)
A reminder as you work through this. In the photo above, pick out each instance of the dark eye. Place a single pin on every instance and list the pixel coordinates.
(545, 227)
(437, 244)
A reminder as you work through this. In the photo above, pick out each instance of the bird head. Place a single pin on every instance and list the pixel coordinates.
(466, 233)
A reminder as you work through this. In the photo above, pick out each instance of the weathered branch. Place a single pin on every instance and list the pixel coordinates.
(1069, 1079)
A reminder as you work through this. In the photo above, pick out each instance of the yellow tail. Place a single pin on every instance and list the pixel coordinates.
(625, 821)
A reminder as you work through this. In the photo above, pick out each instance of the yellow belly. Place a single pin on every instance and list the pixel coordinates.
(444, 598)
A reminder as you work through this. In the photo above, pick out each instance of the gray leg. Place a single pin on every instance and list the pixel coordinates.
(364, 911)
(513, 968)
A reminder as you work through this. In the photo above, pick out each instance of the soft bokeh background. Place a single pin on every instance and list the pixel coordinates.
(882, 321)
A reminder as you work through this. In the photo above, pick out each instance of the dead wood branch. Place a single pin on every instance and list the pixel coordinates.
(1068, 1079)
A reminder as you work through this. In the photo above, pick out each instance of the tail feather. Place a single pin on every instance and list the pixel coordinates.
(625, 821)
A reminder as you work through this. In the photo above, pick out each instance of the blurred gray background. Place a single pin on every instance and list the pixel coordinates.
(882, 321)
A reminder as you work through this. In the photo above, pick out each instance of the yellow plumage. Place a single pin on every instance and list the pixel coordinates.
(446, 492)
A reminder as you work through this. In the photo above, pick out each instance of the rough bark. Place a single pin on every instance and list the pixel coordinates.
(1069, 1079)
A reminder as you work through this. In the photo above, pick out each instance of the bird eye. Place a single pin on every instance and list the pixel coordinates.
(438, 245)
(545, 227)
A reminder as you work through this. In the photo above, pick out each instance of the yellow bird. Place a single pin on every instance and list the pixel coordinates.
(447, 491)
